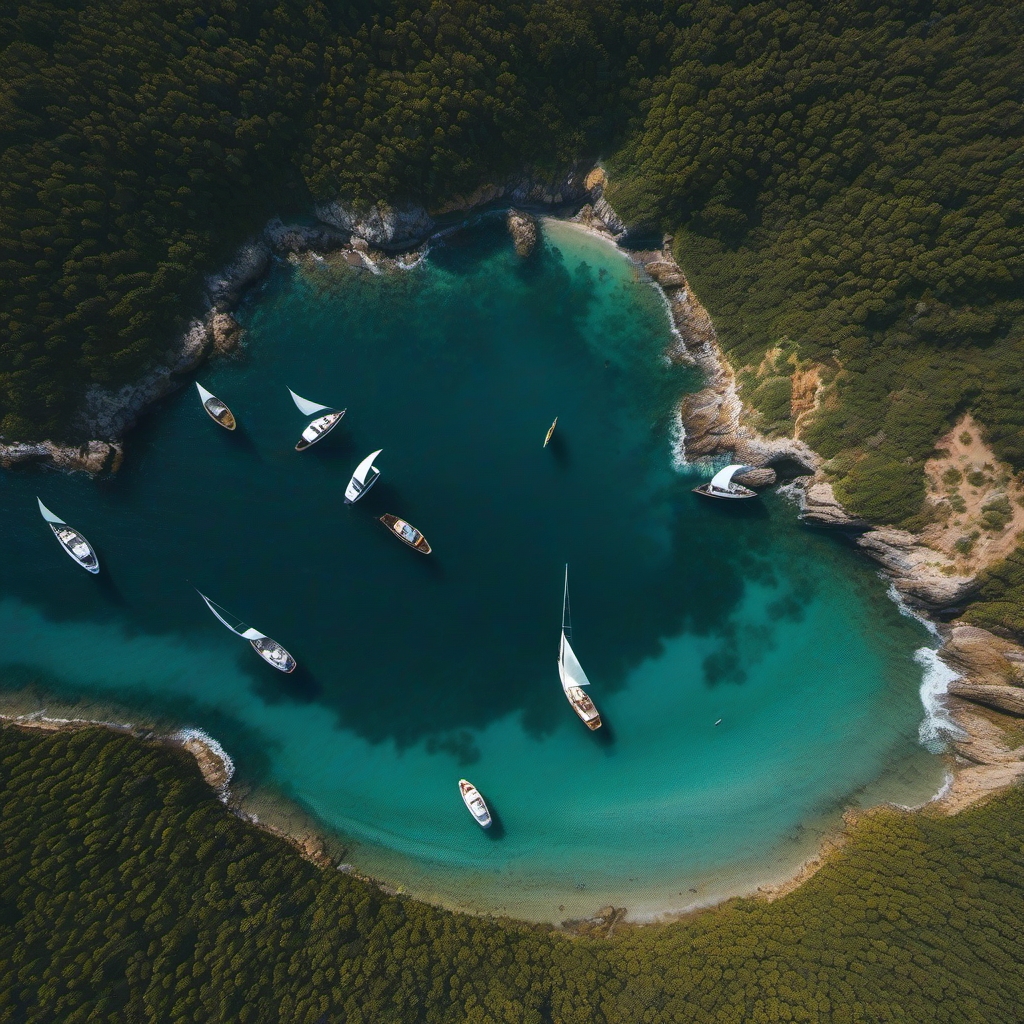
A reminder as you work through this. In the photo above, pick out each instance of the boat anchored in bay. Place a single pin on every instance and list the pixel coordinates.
(73, 543)
(570, 671)
(216, 409)
(406, 533)
(321, 426)
(365, 476)
(269, 650)
(475, 803)
(551, 432)
(722, 485)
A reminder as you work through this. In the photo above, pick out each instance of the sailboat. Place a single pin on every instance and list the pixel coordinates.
(476, 803)
(365, 476)
(570, 671)
(721, 485)
(319, 427)
(217, 410)
(71, 541)
(269, 650)
(551, 430)
(406, 533)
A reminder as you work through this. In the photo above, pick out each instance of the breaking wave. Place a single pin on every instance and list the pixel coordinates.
(937, 727)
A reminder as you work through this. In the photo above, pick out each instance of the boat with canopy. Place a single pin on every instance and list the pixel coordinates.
(570, 671)
(476, 803)
(217, 410)
(406, 533)
(74, 544)
(722, 485)
(319, 427)
(269, 650)
(551, 431)
(365, 476)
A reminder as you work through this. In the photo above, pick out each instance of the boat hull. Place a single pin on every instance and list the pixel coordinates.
(583, 706)
(475, 803)
(414, 539)
(318, 429)
(352, 495)
(550, 433)
(220, 413)
(739, 493)
(76, 547)
(274, 654)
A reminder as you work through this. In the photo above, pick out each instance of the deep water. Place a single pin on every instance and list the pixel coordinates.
(416, 671)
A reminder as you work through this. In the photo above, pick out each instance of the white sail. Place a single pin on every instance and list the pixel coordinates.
(220, 618)
(569, 668)
(307, 407)
(49, 516)
(722, 480)
(250, 634)
(365, 466)
(204, 395)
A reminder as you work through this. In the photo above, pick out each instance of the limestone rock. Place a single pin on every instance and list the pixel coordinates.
(93, 457)
(288, 238)
(595, 179)
(666, 273)
(762, 476)
(983, 742)
(615, 224)
(1002, 698)
(225, 289)
(226, 331)
(822, 508)
(983, 657)
(382, 226)
(523, 229)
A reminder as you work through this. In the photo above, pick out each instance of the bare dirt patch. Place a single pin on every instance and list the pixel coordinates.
(978, 503)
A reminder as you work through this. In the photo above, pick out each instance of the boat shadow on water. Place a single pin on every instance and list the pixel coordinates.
(752, 509)
(560, 451)
(300, 686)
(497, 829)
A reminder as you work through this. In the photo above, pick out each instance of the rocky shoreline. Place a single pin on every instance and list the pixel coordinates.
(983, 699)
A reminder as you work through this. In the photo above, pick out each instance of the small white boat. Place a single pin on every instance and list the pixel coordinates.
(550, 433)
(321, 426)
(71, 541)
(365, 476)
(570, 671)
(476, 803)
(722, 485)
(216, 409)
(269, 650)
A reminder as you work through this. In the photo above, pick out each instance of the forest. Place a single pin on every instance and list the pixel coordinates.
(130, 893)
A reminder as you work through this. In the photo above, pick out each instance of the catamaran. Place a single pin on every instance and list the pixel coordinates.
(365, 476)
(722, 485)
(570, 671)
(406, 533)
(475, 802)
(71, 541)
(551, 430)
(317, 428)
(269, 650)
(217, 410)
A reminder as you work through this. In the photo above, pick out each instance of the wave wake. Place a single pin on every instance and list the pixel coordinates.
(937, 727)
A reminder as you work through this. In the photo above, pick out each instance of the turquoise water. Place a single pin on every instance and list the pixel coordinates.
(416, 671)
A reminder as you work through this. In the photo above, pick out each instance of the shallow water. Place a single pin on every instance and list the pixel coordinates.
(415, 671)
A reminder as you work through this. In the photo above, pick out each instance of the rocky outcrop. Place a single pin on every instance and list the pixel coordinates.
(820, 507)
(983, 657)
(226, 333)
(285, 239)
(93, 457)
(764, 476)
(523, 229)
(226, 288)
(1008, 699)
(381, 225)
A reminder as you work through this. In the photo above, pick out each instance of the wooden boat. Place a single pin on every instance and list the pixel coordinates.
(269, 650)
(721, 485)
(321, 426)
(217, 410)
(476, 803)
(570, 671)
(365, 476)
(551, 430)
(406, 533)
(73, 543)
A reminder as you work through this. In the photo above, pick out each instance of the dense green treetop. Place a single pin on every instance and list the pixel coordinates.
(129, 893)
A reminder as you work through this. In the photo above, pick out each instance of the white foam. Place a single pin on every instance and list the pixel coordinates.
(937, 726)
(904, 609)
(198, 735)
(677, 435)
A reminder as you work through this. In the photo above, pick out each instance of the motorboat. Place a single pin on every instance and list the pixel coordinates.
(722, 485)
(269, 650)
(319, 427)
(570, 671)
(406, 533)
(365, 476)
(476, 803)
(217, 410)
(550, 433)
(73, 543)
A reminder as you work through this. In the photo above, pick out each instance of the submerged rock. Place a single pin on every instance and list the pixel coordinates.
(523, 229)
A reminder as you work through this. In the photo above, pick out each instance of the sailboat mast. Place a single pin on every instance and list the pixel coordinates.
(566, 613)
